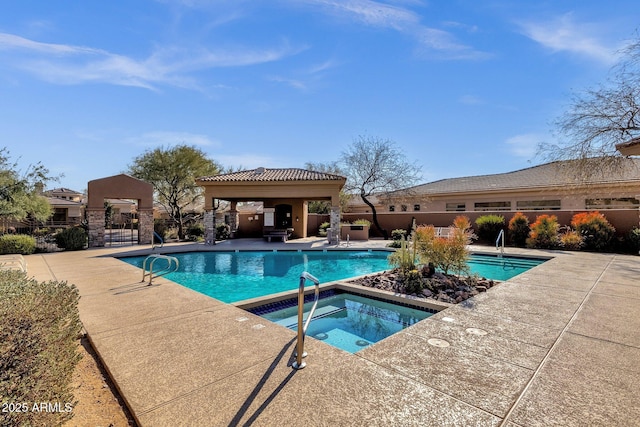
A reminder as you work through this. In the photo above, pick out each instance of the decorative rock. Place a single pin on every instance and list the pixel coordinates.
(440, 287)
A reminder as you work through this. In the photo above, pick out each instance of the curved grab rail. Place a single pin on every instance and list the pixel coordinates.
(157, 236)
(498, 241)
(172, 265)
(302, 325)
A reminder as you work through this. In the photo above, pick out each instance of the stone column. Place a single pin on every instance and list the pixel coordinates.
(145, 226)
(234, 219)
(95, 220)
(334, 224)
(210, 228)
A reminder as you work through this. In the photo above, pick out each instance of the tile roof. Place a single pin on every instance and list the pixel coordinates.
(554, 174)
(63, 190)
(271, 175)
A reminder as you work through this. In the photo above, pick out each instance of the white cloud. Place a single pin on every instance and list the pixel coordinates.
(162, 138)
(524, 145)
(470, 100)
(563, 34)
(69, 64)
(371, 12)
(401, 19)
(294, 83)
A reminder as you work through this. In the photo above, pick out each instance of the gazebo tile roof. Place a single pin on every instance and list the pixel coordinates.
(272, 175)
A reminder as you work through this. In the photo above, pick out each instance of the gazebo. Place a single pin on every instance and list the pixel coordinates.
(285, 194)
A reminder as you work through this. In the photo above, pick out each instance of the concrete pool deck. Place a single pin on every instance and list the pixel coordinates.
(557, 345)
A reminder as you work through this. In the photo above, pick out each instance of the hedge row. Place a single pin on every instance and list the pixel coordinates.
(39, 330)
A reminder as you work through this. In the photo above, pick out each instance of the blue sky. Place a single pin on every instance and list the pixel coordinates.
(462, 87)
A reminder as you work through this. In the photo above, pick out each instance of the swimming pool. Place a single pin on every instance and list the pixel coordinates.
(501, 268)
(347, 321)
(236, 276)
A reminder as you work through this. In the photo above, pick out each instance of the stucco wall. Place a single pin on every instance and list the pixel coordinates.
(622, 219)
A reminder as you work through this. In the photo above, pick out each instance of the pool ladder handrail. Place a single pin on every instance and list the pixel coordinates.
(172, 265)
(500, 243)
(302, 325)
(153, 240)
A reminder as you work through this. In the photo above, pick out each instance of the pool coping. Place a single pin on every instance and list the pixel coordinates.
(524, 372)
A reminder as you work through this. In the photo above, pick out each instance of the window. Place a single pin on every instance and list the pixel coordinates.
(392, 208)
(416, 207)
(538, 205)
(612, 203)
(403, 208)
(456, 207)
(59, 214)
(492, 206)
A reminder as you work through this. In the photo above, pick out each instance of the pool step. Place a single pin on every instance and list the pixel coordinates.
(292, 321)
(505, 262)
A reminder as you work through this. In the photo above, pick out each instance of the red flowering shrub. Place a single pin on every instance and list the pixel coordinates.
(519, 229)
(544, 233)
(595, 230)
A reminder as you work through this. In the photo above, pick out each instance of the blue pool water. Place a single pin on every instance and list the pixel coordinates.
(236, 276)
(496, 268)
(350, 322)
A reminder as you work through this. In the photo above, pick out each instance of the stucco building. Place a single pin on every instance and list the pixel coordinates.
(548, 188)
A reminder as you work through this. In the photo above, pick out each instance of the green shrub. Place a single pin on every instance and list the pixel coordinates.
(39, 328)
(17, 244)
(571, 240)
(488, 227)
(171, 233)
(196, 231)
(322, 229)
(398, 234)
(223, 232)
(72, 239)
(404, 258)
(395, 244)
(544, 233)
(519, 229)
(595, 230)
(634, 239)
(362, 221)
(413, 282)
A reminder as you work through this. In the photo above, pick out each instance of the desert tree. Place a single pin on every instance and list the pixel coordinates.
(172, 172)
(20, 190)
(376, 167)
(599, 118)
(324, 206)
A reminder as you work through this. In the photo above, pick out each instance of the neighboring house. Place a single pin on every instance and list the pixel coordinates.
(67, 205)
(546, 188)
(122, 210)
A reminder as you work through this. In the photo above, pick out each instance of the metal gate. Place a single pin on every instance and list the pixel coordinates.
(121, 230)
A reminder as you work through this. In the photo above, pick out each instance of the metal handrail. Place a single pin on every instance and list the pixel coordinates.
(172, 265)
(153, 241)
(501, 248)
(302, 325)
